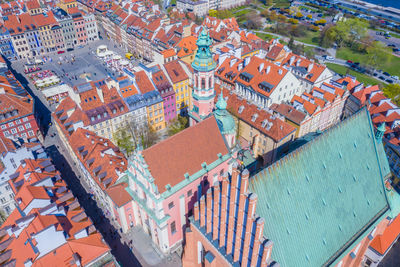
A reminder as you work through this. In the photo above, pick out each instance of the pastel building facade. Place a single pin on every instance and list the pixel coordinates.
(163, 198)
(167, 93)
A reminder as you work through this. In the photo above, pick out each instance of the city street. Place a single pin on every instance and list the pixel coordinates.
(132, 249)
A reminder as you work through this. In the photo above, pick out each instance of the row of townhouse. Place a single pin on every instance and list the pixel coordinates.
(318, 110)
(264, 83)
(144, 31)
(201, 8)
(12, 153)
(34, 33)
(17, 112)
(150, 97)
(385, 115)
(49, 227)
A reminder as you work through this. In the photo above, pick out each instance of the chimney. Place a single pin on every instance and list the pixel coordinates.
(310, 67)
(292, 60)
(261, 67)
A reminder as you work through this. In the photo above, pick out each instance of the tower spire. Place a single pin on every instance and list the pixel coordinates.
(203, 79)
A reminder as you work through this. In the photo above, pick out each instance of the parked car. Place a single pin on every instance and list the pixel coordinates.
(391, 45)
(386, 74)
(329, 58)
(61, 52)
(381, 77)
(349, 62)
(395, 78)
(70, 49)
(395, 50)
(375, 74)
(389, 81)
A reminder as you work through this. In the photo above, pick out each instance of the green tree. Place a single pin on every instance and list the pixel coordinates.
(291, 42)
(124, 140)
(378, 54)
(3, 216)
(392, 91)
(178, 124)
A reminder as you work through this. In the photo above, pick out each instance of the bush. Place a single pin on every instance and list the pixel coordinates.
(299, 15)
(321, 22)
(293, 21)
(309, 16)
(314, 28)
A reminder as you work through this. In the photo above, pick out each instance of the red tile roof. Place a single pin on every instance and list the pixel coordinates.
(16, 106)
(119, 195)
(175, 72)
(289, 112)
(169, 160)
(382, 242)
(97, 153)
(252, 115)
(143, 82)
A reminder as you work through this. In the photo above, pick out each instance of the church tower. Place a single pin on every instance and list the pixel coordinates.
(203, 80)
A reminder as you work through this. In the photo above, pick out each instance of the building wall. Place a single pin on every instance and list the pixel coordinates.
(91, 27)
(25, 127)
(190, 194)
(182, 95)
(21, 45)
(155, 115)
(169, 107)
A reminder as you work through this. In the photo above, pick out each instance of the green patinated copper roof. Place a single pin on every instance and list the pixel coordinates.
(225, 121)
(320, 199)
(203, 60)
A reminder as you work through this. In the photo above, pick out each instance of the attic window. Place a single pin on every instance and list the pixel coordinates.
(246, 76)
(241, 108)
(254, 117)
(221, 70)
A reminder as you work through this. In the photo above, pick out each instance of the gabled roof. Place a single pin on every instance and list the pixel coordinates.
(169, 160)
(318, 200)
(382, 242)
(175, 71)
(265, 122)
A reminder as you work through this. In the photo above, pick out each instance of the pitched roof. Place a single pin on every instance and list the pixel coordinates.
(170, 159)
(175, 71)
(342, 203)
(262, 120)
(15, 106)
(118, 194)
(289, 112)
(382, 242)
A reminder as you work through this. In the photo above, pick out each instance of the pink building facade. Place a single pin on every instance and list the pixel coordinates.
(166, 180)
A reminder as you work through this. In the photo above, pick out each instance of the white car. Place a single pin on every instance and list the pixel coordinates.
(329, 58)
(395, 78)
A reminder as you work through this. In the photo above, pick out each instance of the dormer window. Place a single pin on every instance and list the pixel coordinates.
(98, 116)
(105, 114)
(254, 117)
(241, 108)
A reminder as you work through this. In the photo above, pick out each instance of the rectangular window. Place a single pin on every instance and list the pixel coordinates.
(173, 227)
(20, 128)
(190, 193)
(13, 130)
(11, 124)
(171, 205)
(27, 125)
(30, 133)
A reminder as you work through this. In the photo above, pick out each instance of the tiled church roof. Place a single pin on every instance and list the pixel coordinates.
(320, 199)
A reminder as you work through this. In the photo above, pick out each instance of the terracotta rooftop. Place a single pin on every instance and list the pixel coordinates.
(118, 194)
(264, 121)
(169, 160)
(382, 242)
(289, 112)
(175, 71)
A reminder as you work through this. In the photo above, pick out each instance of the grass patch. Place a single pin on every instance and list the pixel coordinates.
(282, 3)
(241, 12)
(264, 36)
(346, 53)
(310, 38)
(360, 77)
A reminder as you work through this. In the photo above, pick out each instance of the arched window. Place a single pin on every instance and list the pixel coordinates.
(203, 83)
